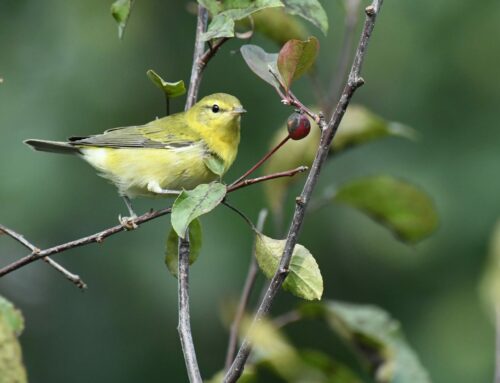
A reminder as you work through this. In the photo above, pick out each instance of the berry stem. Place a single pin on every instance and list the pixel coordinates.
(261, 161)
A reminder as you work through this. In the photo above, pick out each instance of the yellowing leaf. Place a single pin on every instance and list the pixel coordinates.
(172, 247)
(193, 203)
(11, 325)
(304, 279)
(397, 204)
(296, 58)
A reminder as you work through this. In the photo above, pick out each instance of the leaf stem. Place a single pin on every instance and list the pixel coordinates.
(241, 214)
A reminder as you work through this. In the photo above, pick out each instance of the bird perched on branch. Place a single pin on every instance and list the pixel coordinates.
(164, 156)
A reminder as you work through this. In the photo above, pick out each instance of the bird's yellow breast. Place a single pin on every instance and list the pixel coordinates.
(131, 169)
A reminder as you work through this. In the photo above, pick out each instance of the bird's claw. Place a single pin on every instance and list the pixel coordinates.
(128, 222)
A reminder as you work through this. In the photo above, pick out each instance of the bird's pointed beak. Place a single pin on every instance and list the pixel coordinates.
(239, 110)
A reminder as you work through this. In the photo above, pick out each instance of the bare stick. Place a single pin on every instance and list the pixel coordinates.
(100, 236)
(94, 238)
(245, 295)
(351, 21)
(199, 47)
(328, 132)
(184, 326)
(34, 250)
(287, 173)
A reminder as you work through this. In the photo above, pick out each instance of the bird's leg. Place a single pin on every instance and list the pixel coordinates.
(154, 187)
(127, 222)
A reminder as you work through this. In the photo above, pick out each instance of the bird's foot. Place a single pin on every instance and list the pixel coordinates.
(128, 222)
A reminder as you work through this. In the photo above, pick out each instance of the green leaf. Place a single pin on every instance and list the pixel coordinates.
(193, 203)
(278, 26)
(397, 204)
(304, 279)
(225, 13)
(490, 283)
(296, 58)
(171, 89)
(11, 325)
(215, 164)
(263, 64)
(310, 10)
(172, 247)
(375, 337)
(120, 10)
(360, 126)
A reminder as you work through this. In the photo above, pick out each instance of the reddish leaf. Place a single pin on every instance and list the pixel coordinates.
(295, 58)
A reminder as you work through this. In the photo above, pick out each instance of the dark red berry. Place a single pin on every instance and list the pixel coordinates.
(298, 126)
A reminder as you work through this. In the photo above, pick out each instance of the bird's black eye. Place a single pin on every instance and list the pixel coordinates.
(215, 108)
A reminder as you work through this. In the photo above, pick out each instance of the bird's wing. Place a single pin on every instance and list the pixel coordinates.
(168, 132)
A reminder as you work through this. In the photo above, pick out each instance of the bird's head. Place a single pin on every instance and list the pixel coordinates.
(219, 111)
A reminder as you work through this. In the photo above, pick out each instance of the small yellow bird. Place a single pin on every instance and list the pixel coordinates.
(166, 155)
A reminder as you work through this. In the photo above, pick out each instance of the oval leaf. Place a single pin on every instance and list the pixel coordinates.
(375, 337)
(397, 204)
(296, 58)
(193, 203)
(360, 125)
(171, 89)
(304, 279)
(11, 325)
(172, 247)
(120, 10)
(263, 64)
(310, 10)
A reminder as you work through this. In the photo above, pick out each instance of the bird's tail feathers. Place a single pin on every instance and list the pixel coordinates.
(52, 146)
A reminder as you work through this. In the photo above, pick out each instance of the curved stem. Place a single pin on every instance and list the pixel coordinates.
(261, 161)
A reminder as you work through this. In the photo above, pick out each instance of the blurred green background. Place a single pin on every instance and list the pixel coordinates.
(431, 65)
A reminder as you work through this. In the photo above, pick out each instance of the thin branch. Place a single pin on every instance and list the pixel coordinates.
(287, 318)
(245, 295)
(199, 47)
(94, 238)
(75, 279)
(351, 21)
(210, 52)
(287, 173)
(184, 326)
(100, 236)
(328, 132)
